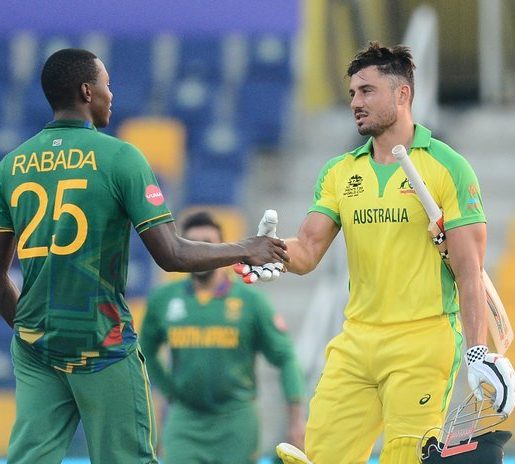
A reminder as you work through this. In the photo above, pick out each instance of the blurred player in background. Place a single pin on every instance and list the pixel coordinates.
(214, 328)
(68, 197)
(393, 367)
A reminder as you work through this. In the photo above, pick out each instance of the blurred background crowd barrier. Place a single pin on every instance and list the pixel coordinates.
(222, 95)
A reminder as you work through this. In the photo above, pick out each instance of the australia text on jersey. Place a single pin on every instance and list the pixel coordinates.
(374, 215)
(46, 161)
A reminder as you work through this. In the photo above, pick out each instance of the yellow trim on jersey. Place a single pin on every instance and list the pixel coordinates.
(70, 366)
(30, 335)
(149, 405)
(150, 220)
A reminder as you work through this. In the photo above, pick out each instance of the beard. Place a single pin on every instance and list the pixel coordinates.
(384, 121)
(203, 276)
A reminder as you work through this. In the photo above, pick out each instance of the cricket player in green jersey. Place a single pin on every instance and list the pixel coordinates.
(68, 197)
(393, 367)
(214, 328)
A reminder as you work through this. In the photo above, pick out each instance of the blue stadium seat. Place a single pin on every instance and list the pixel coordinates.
(129, 101)
(5, 65)
(129, 60)
(201, 57)
(212, 185)
(36, 109)
(217, 166)
(270, 57)
(220, 144)
(130, 76)
(263, 105)
(192, 101)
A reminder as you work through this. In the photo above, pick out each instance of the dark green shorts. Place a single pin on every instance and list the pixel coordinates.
(193, 437)
(114, 405)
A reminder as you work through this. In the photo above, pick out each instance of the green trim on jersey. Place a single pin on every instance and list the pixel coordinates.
(396, 273)
(458, 341)
(459, 169)
(318, 191)
(70, 194)
(383, 173)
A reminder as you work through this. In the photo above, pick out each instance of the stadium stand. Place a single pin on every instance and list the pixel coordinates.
(264, 95)
(202, 57)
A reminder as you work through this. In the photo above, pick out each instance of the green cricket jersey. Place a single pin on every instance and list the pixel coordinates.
(70, 194)
(396, 273)
(213, 343)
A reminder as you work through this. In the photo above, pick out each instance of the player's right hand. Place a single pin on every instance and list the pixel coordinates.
(271, 270)
(495, 370)
(261, 250)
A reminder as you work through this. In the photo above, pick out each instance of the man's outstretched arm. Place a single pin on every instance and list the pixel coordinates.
(173, 253)
(314, 237)
(9, 294)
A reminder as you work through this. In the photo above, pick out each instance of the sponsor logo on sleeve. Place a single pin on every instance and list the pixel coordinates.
(473, 200)
(154, 195)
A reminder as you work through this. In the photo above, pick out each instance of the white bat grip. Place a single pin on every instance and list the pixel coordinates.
(432, 209)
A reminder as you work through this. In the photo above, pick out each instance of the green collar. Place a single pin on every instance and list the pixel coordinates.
(70, 123)
(421, 139)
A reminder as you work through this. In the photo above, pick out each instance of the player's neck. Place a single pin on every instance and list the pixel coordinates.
(397, 134)
(72, 113)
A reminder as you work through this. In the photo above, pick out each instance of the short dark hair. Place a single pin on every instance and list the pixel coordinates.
(63, 74)
(396, 61)
(200, 219)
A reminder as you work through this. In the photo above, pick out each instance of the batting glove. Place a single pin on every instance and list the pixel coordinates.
(269, 271)
(495, 370)
(266, 273)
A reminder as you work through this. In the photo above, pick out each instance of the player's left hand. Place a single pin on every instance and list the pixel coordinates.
(265, 273)
(495, 370)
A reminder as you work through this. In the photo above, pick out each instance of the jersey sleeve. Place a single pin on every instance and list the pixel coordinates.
(137, 189)
(325, 199)
(460, 195)
(6, 224)
(276, 345)
(152, 337)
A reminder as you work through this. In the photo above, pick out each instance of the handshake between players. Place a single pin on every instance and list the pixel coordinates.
(268, 271)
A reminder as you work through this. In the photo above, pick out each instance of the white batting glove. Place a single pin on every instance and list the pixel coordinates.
(495, 370)
(269, 271)
(268, 226)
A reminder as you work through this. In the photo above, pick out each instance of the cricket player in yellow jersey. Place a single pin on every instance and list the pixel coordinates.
(393, 367)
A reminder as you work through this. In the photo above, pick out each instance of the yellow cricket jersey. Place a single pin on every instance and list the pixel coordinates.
(396, 273)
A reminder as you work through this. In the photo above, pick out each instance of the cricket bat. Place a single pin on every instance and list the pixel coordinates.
(498, 323)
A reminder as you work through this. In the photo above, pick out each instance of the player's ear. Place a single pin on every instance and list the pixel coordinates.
(404, 94)
(86, 92)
